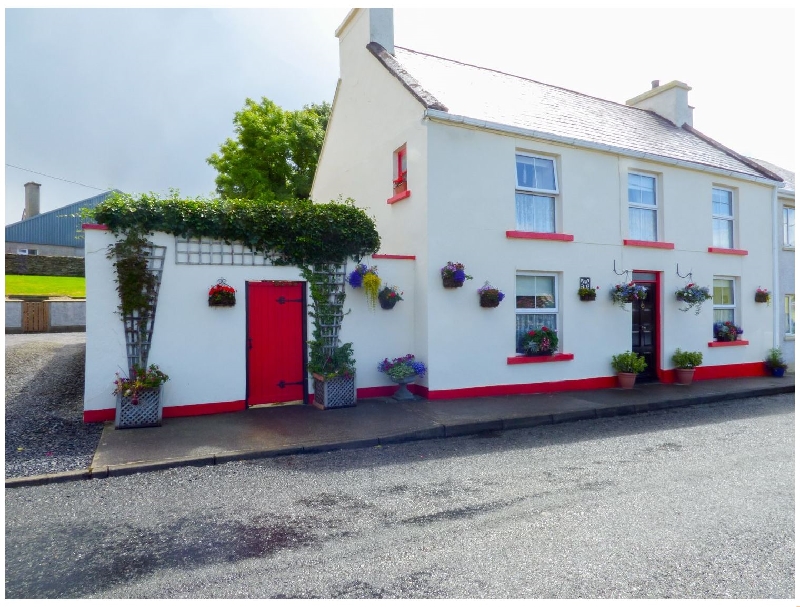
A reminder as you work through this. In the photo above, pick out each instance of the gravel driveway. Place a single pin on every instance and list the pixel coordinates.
(45, 432)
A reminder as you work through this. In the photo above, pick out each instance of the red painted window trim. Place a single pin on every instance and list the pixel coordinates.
(384, 256)
(648, 243)
(399, 196)
(727, 251)
(527, 360)
(540, 235)
(94, 226)
(726, 344)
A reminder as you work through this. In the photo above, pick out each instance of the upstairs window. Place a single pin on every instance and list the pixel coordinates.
(642, 207)
(788, 227)
(536, 191)
(400, 171)
(722, 211)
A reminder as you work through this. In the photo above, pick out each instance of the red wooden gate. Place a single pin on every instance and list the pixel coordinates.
(276, 340)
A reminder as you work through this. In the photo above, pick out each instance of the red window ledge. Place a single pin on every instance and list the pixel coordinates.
(726, 344)
(399, 196)
(727, 251)
(540, 235)
(527, 360)
(648, 243)
(385, 256)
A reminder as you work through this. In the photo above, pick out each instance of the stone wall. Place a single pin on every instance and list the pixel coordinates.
(44, 265)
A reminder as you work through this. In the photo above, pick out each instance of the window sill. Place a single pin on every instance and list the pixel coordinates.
(540, 235)
(726, 344)
(652, 244)
(398, 197)
(788, 338)
(785, 248)
(722, 251)
(527, 360)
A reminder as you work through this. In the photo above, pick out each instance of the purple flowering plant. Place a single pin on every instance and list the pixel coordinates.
(490, 296)
(356, 277)
(454, 270)
(403, 367)
(627, 293)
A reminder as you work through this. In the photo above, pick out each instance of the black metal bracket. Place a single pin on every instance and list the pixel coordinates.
(282, 300)
(283, 384)
(678, 272)
(626, 272)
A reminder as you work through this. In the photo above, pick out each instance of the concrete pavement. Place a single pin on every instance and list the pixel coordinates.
(269, 432)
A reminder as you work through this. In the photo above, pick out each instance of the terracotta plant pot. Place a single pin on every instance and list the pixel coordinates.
(626, 380)
(684, 376)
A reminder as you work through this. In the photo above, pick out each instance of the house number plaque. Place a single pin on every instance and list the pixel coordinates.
(585, 282)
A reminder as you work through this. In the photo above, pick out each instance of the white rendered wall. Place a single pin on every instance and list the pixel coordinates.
(67, 313)
(14, 315)
(202, 348)
(471, 178)
(785, 280)
(374, 115)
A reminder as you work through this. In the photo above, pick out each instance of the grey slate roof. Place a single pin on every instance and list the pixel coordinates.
(493, 96)
(785, 174)
(56, 227)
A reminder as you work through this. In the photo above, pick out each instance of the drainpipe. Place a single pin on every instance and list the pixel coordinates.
(776, 294)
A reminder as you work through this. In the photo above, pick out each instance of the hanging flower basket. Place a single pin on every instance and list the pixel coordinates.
(490, 297)
(221, 295)
(366, 277)
(453, 275)
(389, 296)
(622, 294)
(762, 295)
(693, 296)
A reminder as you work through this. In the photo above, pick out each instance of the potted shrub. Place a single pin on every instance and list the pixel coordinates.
(762, 295)
(139, 397)
(540, 342)
(453, 275)
(490, 297)
(727, 331)
(588, 294)
(334, 376)
(628, 365)
(367, 277)
(775, 363)
(402, 370)
(622, 294)
(221, 294)
(685, 364)
(389, 296)
(693, 296)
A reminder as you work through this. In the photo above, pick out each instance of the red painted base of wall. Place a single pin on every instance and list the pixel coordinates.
(107, 415)
(668, 376)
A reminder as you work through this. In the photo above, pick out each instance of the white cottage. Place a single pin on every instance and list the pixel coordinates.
(534, 188)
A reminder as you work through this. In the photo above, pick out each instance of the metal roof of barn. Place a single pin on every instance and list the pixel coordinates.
(58, 227)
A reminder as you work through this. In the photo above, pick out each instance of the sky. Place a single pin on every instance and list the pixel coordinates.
(137, 99)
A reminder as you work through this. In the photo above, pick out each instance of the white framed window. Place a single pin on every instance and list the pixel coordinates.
(722, 213)
(536, 299)
(642, 207)
(788, 314)
(788, 227)
(724, 299)
(536, 192)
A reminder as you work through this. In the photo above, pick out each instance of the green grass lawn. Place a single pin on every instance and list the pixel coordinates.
(48, 286)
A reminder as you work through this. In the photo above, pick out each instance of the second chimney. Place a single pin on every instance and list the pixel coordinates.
(31, 199)
(669, 100)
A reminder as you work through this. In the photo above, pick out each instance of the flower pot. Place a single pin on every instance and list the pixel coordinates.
(489, 301)
(402, 392)
(626, 380)
(587, 297)
(451, 283)
(684, 376)
(539, 353)
(762, 297)
(387, 304)
(142, 411)
(334, 393)
(222, 300)
(777, 371)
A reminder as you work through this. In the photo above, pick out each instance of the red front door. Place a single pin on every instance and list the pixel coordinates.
(276, 352)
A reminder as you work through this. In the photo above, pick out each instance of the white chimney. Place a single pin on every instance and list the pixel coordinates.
(31, 200)
(360, 27)
(670, 101)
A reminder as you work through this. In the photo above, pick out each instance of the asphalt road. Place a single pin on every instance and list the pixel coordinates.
(683, 503)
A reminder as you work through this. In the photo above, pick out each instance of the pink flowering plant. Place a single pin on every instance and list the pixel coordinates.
(627, 293)
(540, 340)
(490, 297)
(403, 367)
(140, 379)
(693, 296)
(762, 295)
